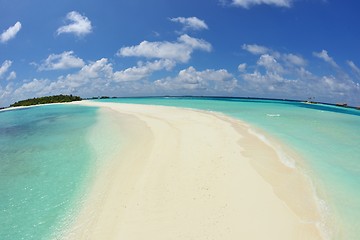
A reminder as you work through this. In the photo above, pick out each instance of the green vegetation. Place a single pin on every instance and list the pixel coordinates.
(48, 99)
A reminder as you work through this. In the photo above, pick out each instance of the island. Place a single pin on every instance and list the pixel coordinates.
(48, 99)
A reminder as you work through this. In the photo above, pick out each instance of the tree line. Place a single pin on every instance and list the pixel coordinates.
(48, 99)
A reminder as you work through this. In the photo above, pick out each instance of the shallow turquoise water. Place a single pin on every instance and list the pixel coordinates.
(44, 163)
(45, 159)
(327, 138)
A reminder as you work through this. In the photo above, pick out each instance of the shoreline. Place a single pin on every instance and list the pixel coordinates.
(195, 176)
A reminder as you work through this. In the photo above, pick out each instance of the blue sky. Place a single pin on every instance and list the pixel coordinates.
(250, 48)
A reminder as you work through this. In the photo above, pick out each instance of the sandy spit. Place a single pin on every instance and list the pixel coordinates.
(187, 174)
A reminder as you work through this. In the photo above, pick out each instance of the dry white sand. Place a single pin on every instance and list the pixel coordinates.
(186, 174)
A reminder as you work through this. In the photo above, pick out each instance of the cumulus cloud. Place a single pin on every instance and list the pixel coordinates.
(5, 67)
(273, 74)
(267, 54)
(10, 32)
(65, 60)
(179, 51)
(268, 84)
(142, 70)
(100, 69)
(11, 76)
(190, 23)
(6, 94)
(286, 76)
(242, 67)
(79, 25)
(295, 59)
(91, 78)
(325, 56)
(270, 64)
(207, 81)
(334, 85)
(255, 49)
(94, 78)
(36, 87)
(250, 3)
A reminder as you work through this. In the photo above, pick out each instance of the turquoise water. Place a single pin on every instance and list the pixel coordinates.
(327, 138)
(45, 159)
(44, 163)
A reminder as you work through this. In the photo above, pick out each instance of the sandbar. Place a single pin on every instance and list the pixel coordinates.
(190, 174)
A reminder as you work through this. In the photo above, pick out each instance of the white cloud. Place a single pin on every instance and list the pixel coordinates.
(207, 81)
(269, 58)
(143, 70)
(287, 77)
(295, 59)
(10, 32)
(274, 85)
(355, 68)
(273, 74)
(91, 78)
(7, 94)
(255, 49)
(179, 51)
(192, 23)
(242, 67)
(80, 25)
(34, 88)
(99, 70)
(265, 84)
(65, 60)
(5, 67)
(325, 56)
(11, 76)
(340, 90)
(195, 43)
(95, 78)
(250, 3)
(270, 64)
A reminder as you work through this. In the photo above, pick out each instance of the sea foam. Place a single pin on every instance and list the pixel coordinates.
(284, 158)
(323, 224)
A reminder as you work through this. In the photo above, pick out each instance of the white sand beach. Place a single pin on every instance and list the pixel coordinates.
(187, 174)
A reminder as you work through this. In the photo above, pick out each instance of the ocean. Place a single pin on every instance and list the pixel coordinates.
(326, 137)
(46, 160)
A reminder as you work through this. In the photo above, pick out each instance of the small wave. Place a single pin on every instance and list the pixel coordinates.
(284, 158)
(273, 115)
(323, 225)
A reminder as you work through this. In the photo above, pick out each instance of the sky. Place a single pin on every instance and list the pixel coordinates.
(286, 49)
